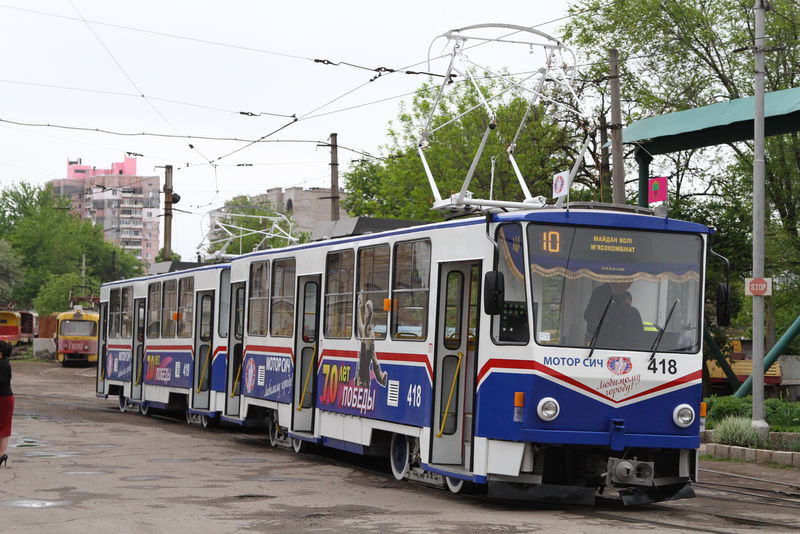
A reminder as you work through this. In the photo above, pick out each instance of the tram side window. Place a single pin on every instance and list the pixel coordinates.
(126, 313)
(114, 314)
(185, 306)
(282, 302)
(339, 294)
(258, 319)
(169, 308)
(373, 290)
(153, 310)
(238, 317)
(411, 290)
(511, 326)
(224, 303)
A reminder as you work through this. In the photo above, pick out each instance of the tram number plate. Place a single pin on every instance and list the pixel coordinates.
(414, 396)
(663, 366)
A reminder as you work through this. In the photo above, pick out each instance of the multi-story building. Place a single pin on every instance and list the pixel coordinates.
(306, 207)
(125, 204)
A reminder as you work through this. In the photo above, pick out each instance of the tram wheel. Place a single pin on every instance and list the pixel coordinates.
(272, 430)
(455, 485)
(299, 446)
(399, 456)
(205, 420)
(123, 402)
(144, 409)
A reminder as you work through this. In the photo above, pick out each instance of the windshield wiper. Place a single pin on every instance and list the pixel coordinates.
(599, 324)
(657, 341)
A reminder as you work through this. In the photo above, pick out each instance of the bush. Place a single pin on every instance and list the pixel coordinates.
(720, 408)
(738, 431)
(782, 416)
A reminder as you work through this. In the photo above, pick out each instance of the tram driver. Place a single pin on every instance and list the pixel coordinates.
(602, 298)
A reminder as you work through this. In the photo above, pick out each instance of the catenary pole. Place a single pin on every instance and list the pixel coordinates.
(334, 179)
(167, 213)
(759, 421)
(618, 167)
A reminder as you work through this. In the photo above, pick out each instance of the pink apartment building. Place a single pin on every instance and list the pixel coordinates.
(124, 203)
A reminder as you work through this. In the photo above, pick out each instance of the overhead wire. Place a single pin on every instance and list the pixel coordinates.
(311, 114)
(138, 89)
(158, 99)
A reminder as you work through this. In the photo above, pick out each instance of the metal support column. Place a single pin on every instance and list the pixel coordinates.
(643, 159)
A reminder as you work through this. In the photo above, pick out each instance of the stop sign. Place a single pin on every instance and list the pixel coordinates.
(758, 287)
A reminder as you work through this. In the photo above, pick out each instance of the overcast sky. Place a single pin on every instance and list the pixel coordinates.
(199, 63)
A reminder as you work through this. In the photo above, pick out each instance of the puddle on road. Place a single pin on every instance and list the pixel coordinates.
(246, 460)
(65, 454)
(102, 446)
(172, 460)
(85, 472)
(276, 479)
(142, 478)
(29, 442)
(32, 503)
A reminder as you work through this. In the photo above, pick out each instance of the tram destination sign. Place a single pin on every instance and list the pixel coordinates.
(758, 287)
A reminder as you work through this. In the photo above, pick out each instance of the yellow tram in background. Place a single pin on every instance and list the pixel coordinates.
(76, 337)
(10, 322)
(18, 326)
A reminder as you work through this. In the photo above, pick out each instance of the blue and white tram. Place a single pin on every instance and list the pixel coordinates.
(548, 354)
(164, 341)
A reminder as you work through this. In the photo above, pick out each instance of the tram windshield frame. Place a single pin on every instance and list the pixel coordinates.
(77, 328)
(617, 289)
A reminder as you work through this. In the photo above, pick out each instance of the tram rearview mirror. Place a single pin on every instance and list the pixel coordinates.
(493, 293)
(723, 304)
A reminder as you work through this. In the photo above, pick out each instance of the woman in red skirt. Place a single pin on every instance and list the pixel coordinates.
(6, 400)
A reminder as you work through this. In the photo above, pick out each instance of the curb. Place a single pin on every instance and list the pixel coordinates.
(761, 456)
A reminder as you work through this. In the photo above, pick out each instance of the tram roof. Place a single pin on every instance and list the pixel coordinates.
(609, 219)
(172, 273)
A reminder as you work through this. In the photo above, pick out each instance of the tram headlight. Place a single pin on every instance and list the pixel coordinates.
(548, 409)
(683, 415)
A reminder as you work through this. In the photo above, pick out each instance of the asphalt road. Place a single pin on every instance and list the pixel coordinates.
(77, 465)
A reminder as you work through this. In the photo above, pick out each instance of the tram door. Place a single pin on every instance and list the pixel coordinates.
(306, 353)
(456, 345)
(203, 349)
(233, 382)
(138, 349)
(102, 348)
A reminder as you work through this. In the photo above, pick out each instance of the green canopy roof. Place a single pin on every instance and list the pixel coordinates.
(715, 124)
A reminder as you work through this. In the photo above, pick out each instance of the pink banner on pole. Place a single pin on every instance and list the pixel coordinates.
(657, 190)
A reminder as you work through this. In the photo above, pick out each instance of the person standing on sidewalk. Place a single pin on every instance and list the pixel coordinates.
(6, 400)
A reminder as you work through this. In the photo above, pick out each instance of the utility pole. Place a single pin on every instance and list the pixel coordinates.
(167, 213)
(759, 422)
(334, 178)
(604, 156)
(618, 167)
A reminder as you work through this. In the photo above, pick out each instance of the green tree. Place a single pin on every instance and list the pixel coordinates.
(10, 273)
(397, 187)
(23, 200)
(51, 240)
(54, 294)
(679, 55)
(160, 255)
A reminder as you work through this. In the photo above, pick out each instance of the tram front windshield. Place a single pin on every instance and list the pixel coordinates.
(616, 289)
(72, 327)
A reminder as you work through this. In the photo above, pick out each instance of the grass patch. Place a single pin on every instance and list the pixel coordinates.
(739, 431)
